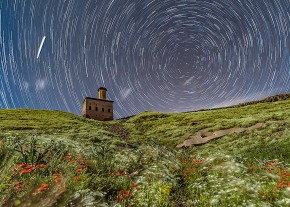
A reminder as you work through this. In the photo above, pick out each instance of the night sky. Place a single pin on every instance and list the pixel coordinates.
(161, 55)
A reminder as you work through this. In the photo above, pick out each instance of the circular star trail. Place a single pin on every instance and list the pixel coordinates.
(169, 55)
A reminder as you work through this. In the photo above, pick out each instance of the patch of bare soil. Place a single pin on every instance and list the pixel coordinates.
(204, 136)
(118, 129)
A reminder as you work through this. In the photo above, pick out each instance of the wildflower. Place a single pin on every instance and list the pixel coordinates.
(79, 170)
(23, 172)
(29, 167)
(132, 183)
(82, 162)
(71, 162)
(41, 165)
(43, 187)
(18, 186)
(198, 162)
(68, 156)
(57, 178)
(280, 185)
(77, 178)
(21, 165)
(120, 172)
(118, 199)
(272, 164)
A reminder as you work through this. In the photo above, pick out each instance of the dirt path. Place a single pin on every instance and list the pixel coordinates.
(204, 136)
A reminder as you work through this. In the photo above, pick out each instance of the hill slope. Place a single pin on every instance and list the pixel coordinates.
(52, 158)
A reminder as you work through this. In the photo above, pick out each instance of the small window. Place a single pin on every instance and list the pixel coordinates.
(90, 108)
(103, 109)
(109, 110)
(96, 108)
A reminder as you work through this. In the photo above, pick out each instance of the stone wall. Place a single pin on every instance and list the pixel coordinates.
(98, 109)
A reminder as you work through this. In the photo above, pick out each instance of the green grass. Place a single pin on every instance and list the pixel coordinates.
(53, 158)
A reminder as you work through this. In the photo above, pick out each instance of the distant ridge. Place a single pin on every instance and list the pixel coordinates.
(279, 97)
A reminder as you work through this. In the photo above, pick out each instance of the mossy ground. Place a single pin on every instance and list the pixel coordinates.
(53, 158)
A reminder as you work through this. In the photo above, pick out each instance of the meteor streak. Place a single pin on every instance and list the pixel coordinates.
(40, 47)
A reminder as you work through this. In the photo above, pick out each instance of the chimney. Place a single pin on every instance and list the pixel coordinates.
(102, 93)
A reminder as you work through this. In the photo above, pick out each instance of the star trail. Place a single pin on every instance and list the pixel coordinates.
(169, 55)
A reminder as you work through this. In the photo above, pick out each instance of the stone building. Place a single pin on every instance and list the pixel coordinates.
(98, 108)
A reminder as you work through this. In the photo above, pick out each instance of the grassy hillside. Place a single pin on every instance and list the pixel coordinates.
(53, 158)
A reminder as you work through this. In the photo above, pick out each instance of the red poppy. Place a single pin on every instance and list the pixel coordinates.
(82, 162)
(58, 179)
(23, 172)
(118, 199)
(280, 185)
(29, 167)
(79, 170)
(21, 165)
(127, 192)
(77, 178)
(41, 165)
(41, 189)
(44, 185)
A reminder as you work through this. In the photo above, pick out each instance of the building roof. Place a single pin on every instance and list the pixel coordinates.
(97, 99)
(102, 88)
